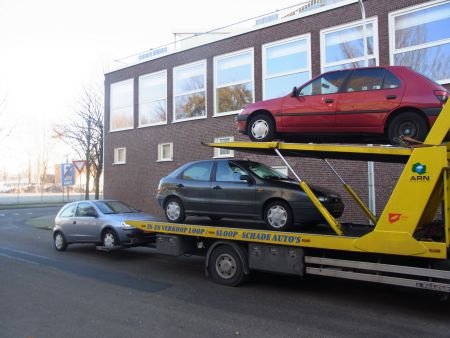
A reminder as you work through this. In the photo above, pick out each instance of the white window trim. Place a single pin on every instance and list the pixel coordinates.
(217, 150)
(223, 56)
(116, 155)
(110, 106)
(372, 20)
(158, 99)
(306, 37)
(393, 50)
(160, 152)
(175, 69)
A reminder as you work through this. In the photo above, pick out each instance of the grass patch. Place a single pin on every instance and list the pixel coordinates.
(43, 222)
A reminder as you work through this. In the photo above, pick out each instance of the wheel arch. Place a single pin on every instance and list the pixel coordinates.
(261, 112)
(274, 199)
(241, 251)
(401, 110)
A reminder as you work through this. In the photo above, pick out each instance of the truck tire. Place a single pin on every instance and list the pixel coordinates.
(225, 266)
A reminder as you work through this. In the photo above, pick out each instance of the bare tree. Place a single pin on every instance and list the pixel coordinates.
(84, 132)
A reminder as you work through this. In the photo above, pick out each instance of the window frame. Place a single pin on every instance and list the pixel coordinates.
(376, 55)
(131, 80)
(205, 90)
(221, 139)
(217, 58)
(411, 9)
(116, 155)
(266, 46)
(149, 75)
(161, 152)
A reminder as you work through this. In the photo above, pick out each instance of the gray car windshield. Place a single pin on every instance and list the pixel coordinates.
(266, 173)
(114, 207)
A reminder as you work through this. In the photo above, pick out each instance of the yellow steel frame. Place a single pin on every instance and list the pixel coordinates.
(422, 187)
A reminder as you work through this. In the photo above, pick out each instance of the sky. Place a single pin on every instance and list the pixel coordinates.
(51, 49)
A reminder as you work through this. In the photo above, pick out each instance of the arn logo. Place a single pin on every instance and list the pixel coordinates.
(419, 169)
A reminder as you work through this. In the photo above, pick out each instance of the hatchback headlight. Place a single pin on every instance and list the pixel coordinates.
(126, 226)
(324, 199)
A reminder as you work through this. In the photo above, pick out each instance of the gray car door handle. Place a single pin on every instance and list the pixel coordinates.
(217, 187)
(180, 185)
(74, 222)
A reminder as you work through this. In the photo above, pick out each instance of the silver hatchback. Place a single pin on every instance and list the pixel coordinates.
(101, 222)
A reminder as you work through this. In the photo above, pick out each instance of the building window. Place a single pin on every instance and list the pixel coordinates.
(420, 39)
(220, 152)
(285, 64)
(189, 87)
(121, 103)
(120, 155)
(165, 152)
(342, 47)
(153, 99)
(233, 82)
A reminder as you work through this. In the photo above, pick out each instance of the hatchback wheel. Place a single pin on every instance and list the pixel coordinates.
(174, 211)
(278, 215)
(60, 242)
(261, 128)
(109, 239)
(407, 124)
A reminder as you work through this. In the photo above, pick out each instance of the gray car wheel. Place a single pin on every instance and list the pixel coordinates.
(109, 239)
(278, 215)
(60, 241)
(174, 210)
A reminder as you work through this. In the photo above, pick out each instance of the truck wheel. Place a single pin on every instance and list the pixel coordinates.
(261, 128)
(226, 267)
(60, 241)
(278, 215)
(174, 210)
(109, 239)
(407, 124)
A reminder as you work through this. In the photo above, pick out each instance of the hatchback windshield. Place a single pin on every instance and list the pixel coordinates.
(265, 172)
(114, 207)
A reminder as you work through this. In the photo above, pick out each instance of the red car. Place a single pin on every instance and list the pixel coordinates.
(389, 101)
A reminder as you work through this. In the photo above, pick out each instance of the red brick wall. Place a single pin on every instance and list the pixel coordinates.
(137, 180)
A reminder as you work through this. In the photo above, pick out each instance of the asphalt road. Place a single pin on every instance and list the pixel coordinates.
(138, 293)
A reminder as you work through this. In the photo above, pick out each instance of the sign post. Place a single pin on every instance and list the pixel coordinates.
(67, 176)
(79, 165)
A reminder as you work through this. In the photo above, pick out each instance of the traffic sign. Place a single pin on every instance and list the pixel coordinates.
(67, 174)
(79, 165)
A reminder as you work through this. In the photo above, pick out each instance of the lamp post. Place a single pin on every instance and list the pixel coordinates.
(370, 165)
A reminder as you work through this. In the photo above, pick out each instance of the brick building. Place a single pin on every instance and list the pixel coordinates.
(159, 109)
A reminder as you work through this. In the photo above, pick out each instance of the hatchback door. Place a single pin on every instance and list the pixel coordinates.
(313, 109)
(193, 186)
(232, 194)
(367, 97)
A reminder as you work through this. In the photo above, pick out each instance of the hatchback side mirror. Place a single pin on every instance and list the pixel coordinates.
(91, 214)
(294, 91)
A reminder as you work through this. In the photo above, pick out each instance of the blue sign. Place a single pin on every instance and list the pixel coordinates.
(67, 174)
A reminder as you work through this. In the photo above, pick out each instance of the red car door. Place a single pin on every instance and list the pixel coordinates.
(313, 108)
(367, 97)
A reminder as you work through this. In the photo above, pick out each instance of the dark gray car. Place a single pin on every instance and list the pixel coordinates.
(241, 189)
(99, 221)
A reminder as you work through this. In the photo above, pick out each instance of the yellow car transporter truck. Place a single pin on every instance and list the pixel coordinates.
(407, 244)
